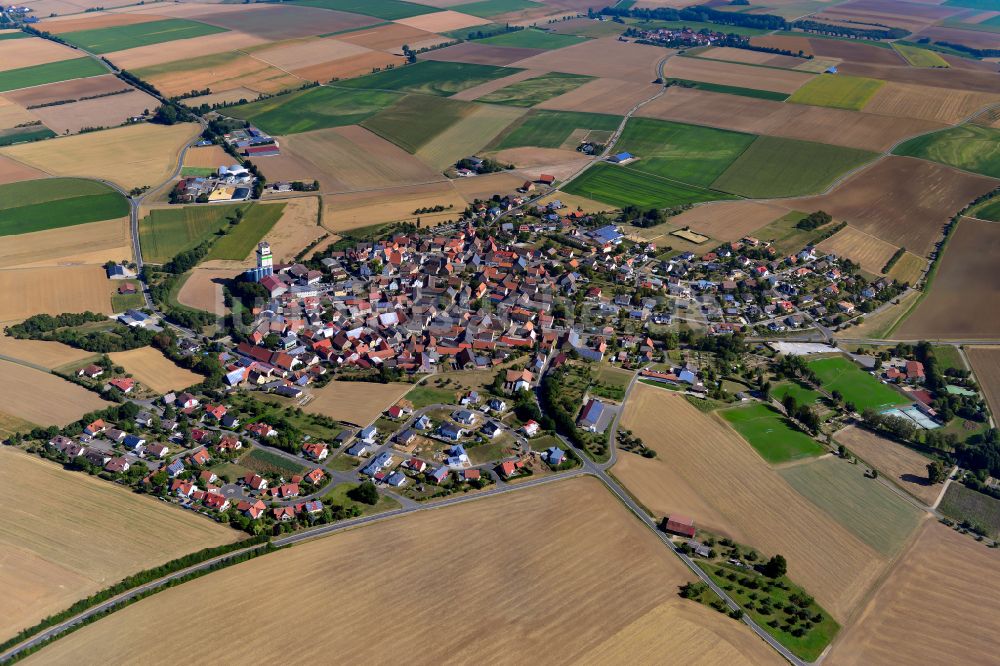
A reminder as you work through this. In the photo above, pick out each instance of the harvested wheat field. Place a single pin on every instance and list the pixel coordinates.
(12, 171)
(18, 53)
(729, 220)
(942, 105)
(100, 112)
(727, 74)
(475, 92)
(746, 57)
(863, 249)
(359, 403)
(223, 97)
(274, 23)
(207, 157)
(220, 73)
(349, 67)
(154, 370)
(940, 604)
(38, 352)
(97, 20)
(968, 267)
(605, 57)
(793, 43)
(203, 289)
(29, 291)
(335, 151)
(908, 268)
(901, 200)
(576, 202)
(481, 54)
(297, 227)
(442, 21)
(527, 535)
(304, 53)
(985, 363)
(391, 37)
(43, 398)
(361, 209)
(66, 535)
(12, 115)
(529, 157)
(485, 186)
(704, 462)
(609, 96)
(64, 90)
(91, 243)
(905, 467)
(131, 156)
(159, 54)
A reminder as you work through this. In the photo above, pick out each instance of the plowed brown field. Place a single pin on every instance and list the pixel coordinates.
(605, 57)
(702, 462)
(273, 23)
(482, 54)
(12, 171)
(527, 534)
(203, 289)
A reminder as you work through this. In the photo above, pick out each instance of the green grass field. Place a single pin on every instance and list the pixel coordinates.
(316, 108)
(51, 72)
(688, 153)
(985, 5)
(778, 167)
(263, 461)
(534, 91)
(240, 242)
(837, 373)
(533, 39)
(430, 77)
(873, 512)
(837, 91)
(549, 129)
(415, 120)
(123, 302)
(197, 171)
(491, 8)
(919, 57)
(13, 35)
(989, 210)
(166, 232)
(383, 9)
(960, 503)
(734, 90)
(969, 147)
(770, 435)
(802, 394)
(24, 134)
(621, 186)
(119, 38)
(338, 496)
(52, 203)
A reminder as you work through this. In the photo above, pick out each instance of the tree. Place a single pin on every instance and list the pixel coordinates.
(776, 567)
(935, 472)
(365, 493)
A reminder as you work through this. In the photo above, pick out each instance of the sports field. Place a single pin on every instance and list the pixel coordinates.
(622, 186)
(534, 535)
(802, 394)
(150, 367)
(778, 167)
(533, 39)
(550, 129)
(776, 440)
(119, 38)
(870, 510)
(104, 533)
(166, 232)
(919, 57)
(241, 240)
(838, 91)
(415, 120)
(430, 77)
(36, 205)
(51, 72)
(383, 9)
(969, 147)
(317, 108)
(837, 373)
(688, 153)
(536, 90)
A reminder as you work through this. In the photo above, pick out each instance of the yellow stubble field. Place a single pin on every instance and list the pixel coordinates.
(356, 402)
(562, 560)
(29, 291)
(150, 367)
(42, 398)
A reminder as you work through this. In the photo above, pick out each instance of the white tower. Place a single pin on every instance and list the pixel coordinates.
(265, 262)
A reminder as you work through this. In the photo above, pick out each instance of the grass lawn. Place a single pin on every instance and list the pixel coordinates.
(873, 512)
(802, 395)
(837, 373)
(550, 129)
(533, 39)
(430, 77)
(535, 91)
(36, 205)
(122, 302)
(197, 171)
(338, 496)
(415, 120)
(383, 9)
(734, 90)
(316, 108)
(919, 57)
(770, 434)
(119, 38)
(230, 471)
(491, 8)
(240, 242)
(492, 450)
(948, 357)
(808, 646)
(778, 167)
(424, 395)
(837, 91)
(263, 461)
(621, 186)
(688, 153)
(961, 503)
(166, 232)
(51, 72)
(970, 147)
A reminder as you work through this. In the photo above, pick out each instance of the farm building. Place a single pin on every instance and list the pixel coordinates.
(680, 525)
